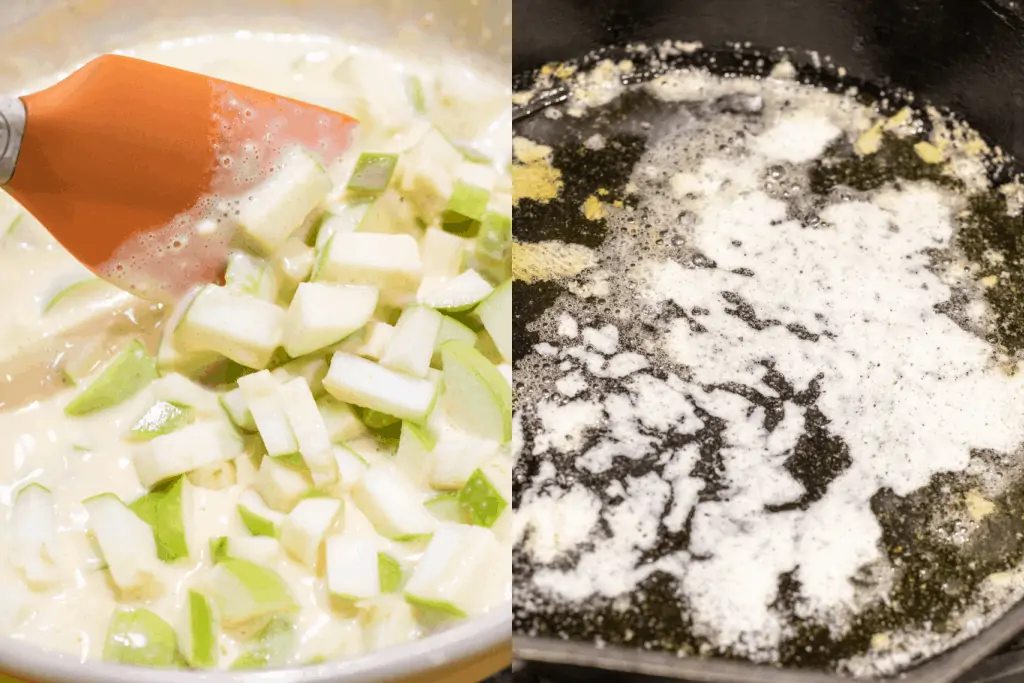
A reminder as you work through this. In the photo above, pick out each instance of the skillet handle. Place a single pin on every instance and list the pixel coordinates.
(12, 131)
(1005, 668)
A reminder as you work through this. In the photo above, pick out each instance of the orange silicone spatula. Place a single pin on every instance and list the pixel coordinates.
(134, 166)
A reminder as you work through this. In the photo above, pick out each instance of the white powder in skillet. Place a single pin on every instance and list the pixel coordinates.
(571, 385)
(797, 138)
(567, 326)
(843, 308)
(556, 521)
(614, 569)
(685, 489)
(565, 425)
(604, 340)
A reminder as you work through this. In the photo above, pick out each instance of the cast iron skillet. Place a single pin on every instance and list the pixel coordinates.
(967, 55)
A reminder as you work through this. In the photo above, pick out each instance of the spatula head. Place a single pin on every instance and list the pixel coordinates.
(124, 158)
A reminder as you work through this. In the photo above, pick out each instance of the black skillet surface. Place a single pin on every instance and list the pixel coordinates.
(1000, 669)
(967, 55)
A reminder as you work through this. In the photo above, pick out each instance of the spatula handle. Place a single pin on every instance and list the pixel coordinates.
(12, 130)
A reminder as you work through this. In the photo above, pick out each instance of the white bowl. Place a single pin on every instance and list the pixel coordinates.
(40, 37)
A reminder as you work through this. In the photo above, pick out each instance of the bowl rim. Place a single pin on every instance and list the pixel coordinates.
(460, 642)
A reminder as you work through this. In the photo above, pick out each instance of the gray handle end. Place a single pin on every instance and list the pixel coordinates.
(12, 131)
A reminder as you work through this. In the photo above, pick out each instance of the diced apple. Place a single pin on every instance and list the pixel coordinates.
(128, 546)
(257, 516)
(294, 262)
(306, 526)
(443, 253)
(124, 377)
(199, 632)
(372, 174)
(340, 419)
(281, 485)
(375, 452)
(451, 330)
(454, 461)
(391, 214)
(446, 508)
(412, 345)
(162, 418)
(351, 466)
(33, 539)
(477, 398)
(311, 368)
(245, 592)
(279, 206)
(216, 477)
(414, 448)
(272, 647)
(470, 196)
(378, 421)
(237, 409)
(389, 621)
(263, 550)
(427, 173)
(360, 382)
(257, 384)
(187, 449)
(464, 106)
(323, 314)
(373, 343)
(273, 425)
(171, 514)
(391, 573)
(417, 98)
(181, 391)
(488, 493)
(259, 549)
(310, 431)
(330, 639)
(374, 96)
(247, 465)
(494, 246)
(448, 577)
(486, 346)
(454, 295)
(341, 219)
(171, 356)
(387, 262)
(243, 328)
(353, 569)
(392, 505)
(141, 638)
(79, 293)
(495, 312)
(251, 276)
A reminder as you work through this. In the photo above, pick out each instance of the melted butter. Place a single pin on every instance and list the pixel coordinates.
(552, 260)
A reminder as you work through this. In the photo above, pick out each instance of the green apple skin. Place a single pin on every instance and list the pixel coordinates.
(271, 648)
(267, 592)
(203, 621)
(162, 418)
(163, 509)
(126, 376)
(140, 637)
(474, 385)
(390, 573)
(482, 503)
